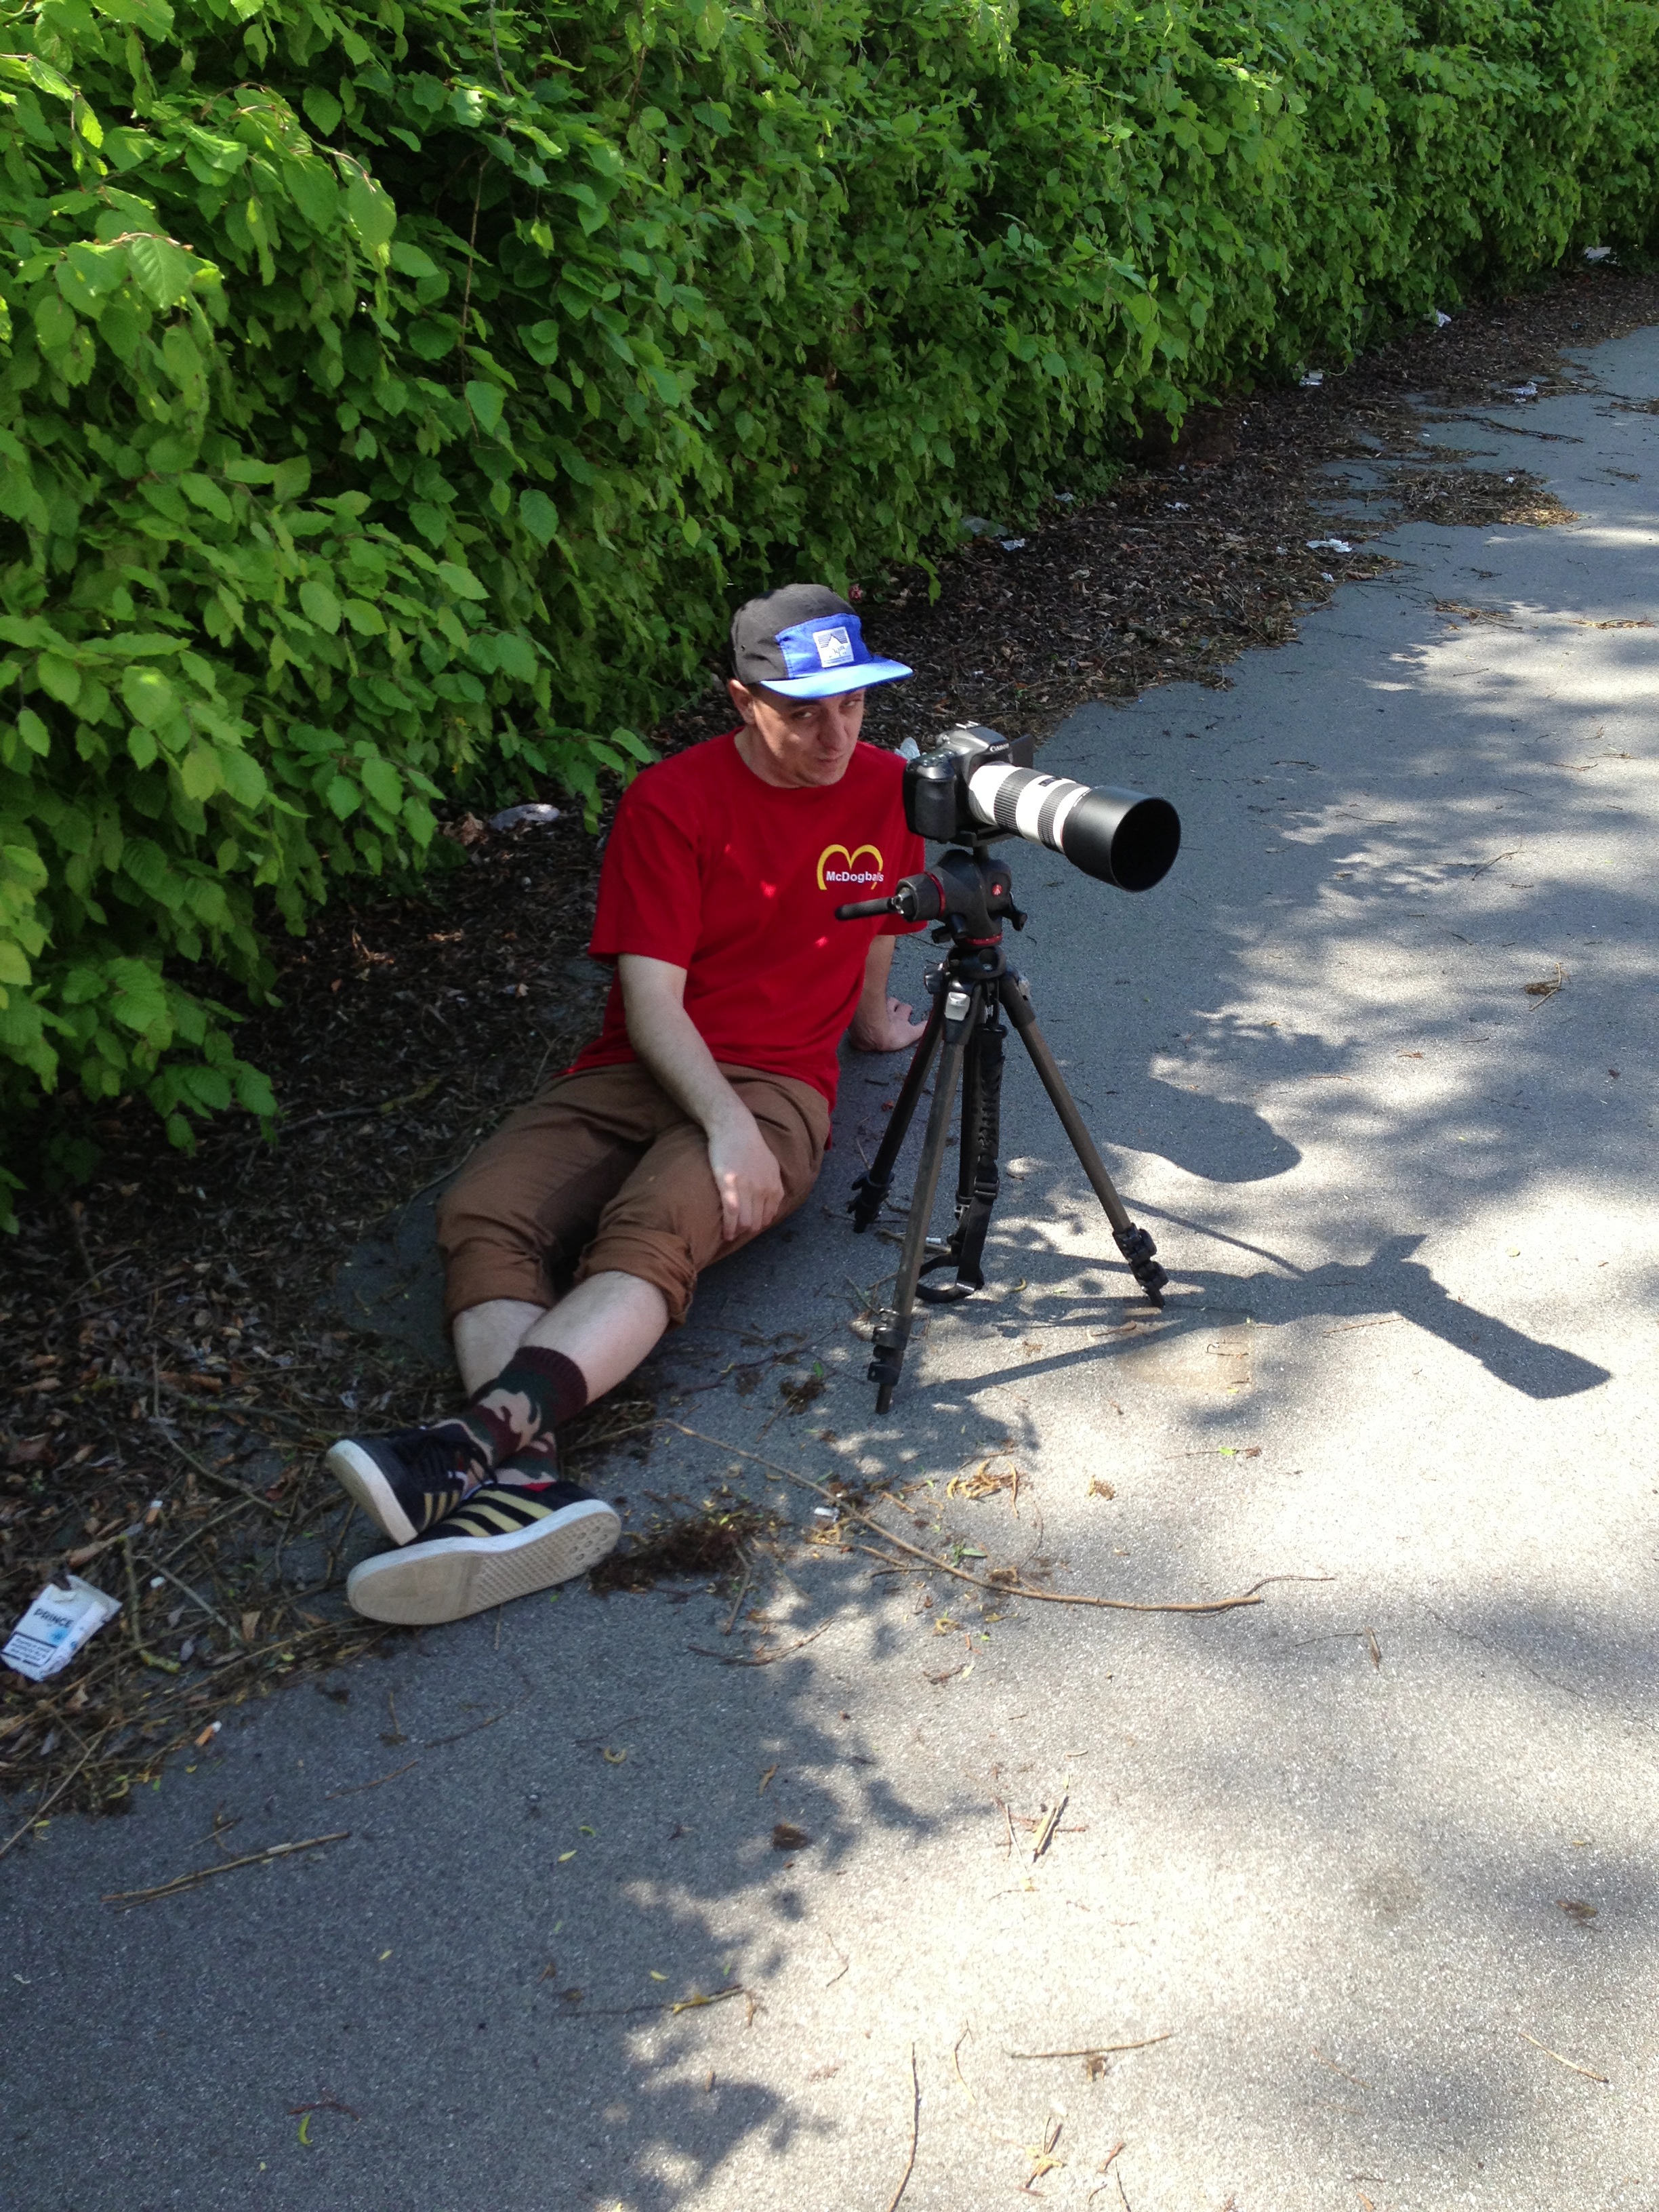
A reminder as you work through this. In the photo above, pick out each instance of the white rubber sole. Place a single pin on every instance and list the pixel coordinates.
(449, 1577)
(364, 1484)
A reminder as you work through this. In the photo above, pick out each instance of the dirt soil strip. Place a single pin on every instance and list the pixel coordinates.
(170, 1382)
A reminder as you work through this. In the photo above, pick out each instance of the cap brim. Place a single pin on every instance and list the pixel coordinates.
(828, 683)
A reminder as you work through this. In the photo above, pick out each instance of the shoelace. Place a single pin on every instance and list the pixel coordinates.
(429, 1457)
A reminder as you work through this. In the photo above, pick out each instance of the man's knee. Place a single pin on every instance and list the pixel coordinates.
(654, 1255)
(488, 1256)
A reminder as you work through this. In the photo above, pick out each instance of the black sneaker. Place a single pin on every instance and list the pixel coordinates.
(503, 1542)
(403, 1482)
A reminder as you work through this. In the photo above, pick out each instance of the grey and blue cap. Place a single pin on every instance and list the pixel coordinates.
(806, 643)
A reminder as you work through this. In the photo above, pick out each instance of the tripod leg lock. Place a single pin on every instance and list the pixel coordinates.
(887, 1355)
(869, 1196)
(1137, 1249)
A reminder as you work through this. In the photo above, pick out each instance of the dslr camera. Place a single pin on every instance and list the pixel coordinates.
(974, 785)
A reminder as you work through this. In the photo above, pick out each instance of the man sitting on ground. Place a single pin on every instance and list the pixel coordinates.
(698, 1116)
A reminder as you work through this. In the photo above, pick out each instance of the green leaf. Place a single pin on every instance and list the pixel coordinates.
(538, 515)
(290, 479)
(42, 74)
(253, 1092)
(81, 986)
(203, 492)
(59, 677)
(514, 656)
(409, 260)
(209, 1089)
(242, 776)
(432, 340)
(147, 696)
(28, 630)
(319, 605)
(365, 618)
(142, 644)
(54, 323)
(140, 998)
(485, 402)
(323, 110)
(343, 799)
(164, 273)
(383, 783)
(169, 454)
(34, 733)
(88, 273)
(461, 581)
(153, 17)
(313, 191)
(24, 866)
(371, 215)
(198, 772)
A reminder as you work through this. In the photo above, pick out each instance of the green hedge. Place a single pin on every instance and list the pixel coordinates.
(394, 397)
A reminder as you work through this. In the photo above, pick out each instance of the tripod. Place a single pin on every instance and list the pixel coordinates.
(973, 988)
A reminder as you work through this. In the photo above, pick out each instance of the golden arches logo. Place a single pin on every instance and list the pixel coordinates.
(849, 871)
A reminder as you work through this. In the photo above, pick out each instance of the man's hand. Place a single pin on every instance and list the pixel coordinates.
(746, 1176)
(890, 1027)
(881, 1023)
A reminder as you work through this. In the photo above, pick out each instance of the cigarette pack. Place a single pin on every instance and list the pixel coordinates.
(55, 1627)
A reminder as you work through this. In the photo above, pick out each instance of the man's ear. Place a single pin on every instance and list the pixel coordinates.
(742, 698)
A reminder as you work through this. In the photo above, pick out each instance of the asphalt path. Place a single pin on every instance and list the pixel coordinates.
(1366, 1871)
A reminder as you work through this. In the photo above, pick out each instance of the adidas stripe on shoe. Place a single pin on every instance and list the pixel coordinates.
(502, 1543)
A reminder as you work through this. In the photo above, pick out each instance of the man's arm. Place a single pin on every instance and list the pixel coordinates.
(880, 1023)
(668, 1043)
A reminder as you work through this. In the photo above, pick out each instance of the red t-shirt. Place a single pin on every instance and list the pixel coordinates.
(737, 881)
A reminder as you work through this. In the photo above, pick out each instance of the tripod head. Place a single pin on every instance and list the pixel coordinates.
(968, 892)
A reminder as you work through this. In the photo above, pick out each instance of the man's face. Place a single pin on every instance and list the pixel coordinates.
(797, 744)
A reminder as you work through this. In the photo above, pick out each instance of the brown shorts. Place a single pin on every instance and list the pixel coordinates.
(604, 1172)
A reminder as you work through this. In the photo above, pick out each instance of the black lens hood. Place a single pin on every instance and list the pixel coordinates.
(1122, 837)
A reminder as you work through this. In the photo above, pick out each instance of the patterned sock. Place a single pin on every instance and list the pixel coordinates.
(536, 1390)
(532, 1467)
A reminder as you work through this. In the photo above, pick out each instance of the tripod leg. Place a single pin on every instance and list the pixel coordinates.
(893, 1323)
(978, 1181)
(1134, 1244)
(870, 1189)
(968, 1119)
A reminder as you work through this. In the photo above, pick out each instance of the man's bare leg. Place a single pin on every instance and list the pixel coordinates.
(486, 1337)
(606, 1325)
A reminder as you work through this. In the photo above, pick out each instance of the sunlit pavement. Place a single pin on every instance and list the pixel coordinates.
(1371, 1859)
